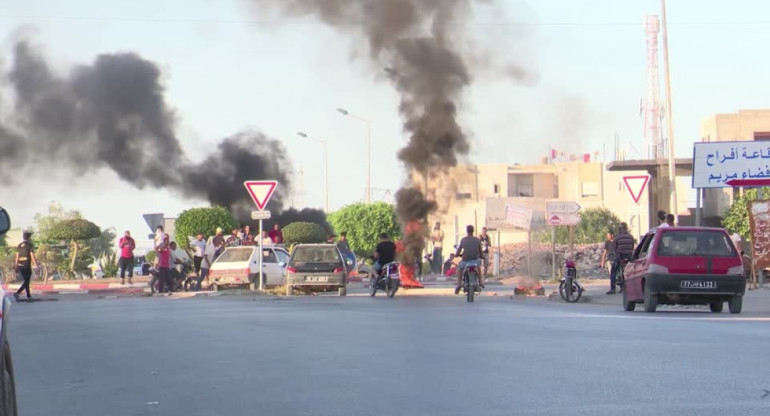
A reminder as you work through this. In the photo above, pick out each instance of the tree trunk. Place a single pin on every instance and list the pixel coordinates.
(74, 256)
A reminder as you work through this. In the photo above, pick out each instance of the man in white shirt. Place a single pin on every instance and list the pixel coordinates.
(198, 245)
(437, 238)
(206, 262)
(662, 219)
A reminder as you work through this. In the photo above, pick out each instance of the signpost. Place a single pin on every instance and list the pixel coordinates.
(260, 192)
(561, 213)
(635, 185)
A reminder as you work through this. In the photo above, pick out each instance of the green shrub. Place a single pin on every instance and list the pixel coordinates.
(364, 223)
(303, 233)
(593, 227)
(202, 220)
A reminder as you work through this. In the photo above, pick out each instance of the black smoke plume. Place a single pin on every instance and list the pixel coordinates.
(113, 113)
(415, 41)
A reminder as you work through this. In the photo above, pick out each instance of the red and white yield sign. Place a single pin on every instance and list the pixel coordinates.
(261, 191)
(636, 185)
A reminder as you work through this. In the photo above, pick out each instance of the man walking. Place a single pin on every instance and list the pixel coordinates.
(198, 246)
(126, 261)
(25, 258)
(486, 243)
(624, 247)
(437, 238)
(208, 259)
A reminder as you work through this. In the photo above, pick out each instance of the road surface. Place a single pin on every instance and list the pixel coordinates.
(377, 356)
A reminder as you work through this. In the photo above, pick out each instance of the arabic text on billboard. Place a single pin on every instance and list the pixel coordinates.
(716, 163)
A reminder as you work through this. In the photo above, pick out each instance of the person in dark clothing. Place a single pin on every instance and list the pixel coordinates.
(25, 258)
(486, 243)
(384, 253)
(624, 247)
(608, 256)
(470, 249)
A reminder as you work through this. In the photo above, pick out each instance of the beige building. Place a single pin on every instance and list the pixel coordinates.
(478, 194)
(745, 125)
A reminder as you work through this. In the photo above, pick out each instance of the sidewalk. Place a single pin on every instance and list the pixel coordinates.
(102, 286)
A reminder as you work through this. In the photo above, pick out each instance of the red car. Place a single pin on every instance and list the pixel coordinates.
(686, 266)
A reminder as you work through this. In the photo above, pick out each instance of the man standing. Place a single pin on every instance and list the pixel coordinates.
(219, 242)
(624, 247)
(198, 246)
(233, 240)
(662, 219)
(437, 238)
(126, 261)
(344, 247)
(486, 243)
(276, 235)
(608, 256)
(158, 236)
(670, 220)
(208, 259)
(266, 240)
(164, 264)
(25, 258)
(246, 238)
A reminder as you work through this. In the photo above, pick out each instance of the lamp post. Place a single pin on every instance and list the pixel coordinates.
(670, 118)
(326, 167)
(368, 151)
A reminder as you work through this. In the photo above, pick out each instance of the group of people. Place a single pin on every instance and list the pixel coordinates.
(449, 267)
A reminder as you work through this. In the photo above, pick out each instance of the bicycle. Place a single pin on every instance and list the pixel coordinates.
(570, 288)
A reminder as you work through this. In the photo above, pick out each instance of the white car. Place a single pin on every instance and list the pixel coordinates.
(240, 266)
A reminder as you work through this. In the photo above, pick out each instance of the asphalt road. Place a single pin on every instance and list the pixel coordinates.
(364, 356)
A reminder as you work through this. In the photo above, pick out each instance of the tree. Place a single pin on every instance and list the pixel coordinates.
(593, 227)
(104, 245)
(736, 219)
(50, 258)
(303, 233)
(77, 232)
(364, 223)
(56, 213)
(202, 220)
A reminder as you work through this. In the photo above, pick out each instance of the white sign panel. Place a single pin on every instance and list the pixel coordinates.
(564, 219)
(260, 215)
(715, 163)
(557, 206)
(517, 216)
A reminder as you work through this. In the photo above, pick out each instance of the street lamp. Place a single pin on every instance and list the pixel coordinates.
(368, 151)
(326, 167)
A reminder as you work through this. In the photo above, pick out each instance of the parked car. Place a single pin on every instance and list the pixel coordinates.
(7, 379)
(238, 266)
(317, 267)
(141, 266)
(687, 266)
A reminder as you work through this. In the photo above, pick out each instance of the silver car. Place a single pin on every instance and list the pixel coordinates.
(316, 267)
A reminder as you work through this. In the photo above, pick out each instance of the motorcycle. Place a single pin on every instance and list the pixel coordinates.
(387, 280)
(570, 288)
(178, 278)
(471, 281)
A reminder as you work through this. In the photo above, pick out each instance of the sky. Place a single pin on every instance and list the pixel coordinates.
(226, 67)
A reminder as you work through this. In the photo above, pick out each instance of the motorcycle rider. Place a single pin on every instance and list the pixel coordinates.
(177, 263)
(470, 251)
(384, 253)
(624, 247)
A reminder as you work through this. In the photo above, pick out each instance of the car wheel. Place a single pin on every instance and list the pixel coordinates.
(716, 307)
(628, 306)
(8, 384)
(289, 290)
(650, 301)
(735, 304)
(343, 290)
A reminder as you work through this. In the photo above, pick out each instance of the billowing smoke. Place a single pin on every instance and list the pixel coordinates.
(415, 41)
(112, 113)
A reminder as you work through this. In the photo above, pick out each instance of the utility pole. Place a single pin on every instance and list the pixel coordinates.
(670, 118)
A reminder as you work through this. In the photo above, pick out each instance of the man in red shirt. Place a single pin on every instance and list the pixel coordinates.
(164, 264)
(276, 235)
(127, 246)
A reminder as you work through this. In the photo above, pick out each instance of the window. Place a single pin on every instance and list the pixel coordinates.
(269, 257)
(316, 255)
(235, 254)
(283, 257)
(645, 246)
(521, 185)
(525, 190)
(590, 189)
(695, 243)
(464, 195)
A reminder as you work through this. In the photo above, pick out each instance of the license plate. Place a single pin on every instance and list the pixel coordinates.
(317, 279)
(698, 284)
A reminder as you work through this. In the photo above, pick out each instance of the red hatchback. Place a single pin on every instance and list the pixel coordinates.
(687, 266)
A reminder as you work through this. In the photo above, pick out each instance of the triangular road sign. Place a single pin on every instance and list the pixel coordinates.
(260, 191)
(636, 185)
(153, 220)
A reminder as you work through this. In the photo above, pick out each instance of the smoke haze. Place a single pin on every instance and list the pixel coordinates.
(112, 113)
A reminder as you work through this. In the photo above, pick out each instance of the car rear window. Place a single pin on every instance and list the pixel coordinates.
(232, 255)
(695, 243)
(315, 255)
